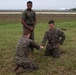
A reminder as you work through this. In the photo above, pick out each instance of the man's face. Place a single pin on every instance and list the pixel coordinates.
(29, 6)
(51, 26)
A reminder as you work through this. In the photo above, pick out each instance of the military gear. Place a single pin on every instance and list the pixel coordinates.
(54, 37)
(21, 56)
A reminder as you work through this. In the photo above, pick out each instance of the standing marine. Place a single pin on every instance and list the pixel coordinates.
(29, 20)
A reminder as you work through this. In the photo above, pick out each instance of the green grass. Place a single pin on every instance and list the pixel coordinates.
(65, 65)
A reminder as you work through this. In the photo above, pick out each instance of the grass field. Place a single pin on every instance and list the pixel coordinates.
(11, 31)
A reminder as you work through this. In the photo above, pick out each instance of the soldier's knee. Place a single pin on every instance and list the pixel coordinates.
(56, 54)
(34, 67)
(47, 54)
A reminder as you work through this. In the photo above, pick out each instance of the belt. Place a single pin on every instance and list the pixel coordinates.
(52, 44)
(30, 24)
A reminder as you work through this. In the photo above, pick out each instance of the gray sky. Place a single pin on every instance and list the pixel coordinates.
(38, 4)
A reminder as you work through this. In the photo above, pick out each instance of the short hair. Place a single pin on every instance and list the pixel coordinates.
(29, 2)
(26, 32)
(51, 21)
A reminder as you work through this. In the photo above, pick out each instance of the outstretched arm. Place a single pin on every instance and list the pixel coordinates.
(34, 45)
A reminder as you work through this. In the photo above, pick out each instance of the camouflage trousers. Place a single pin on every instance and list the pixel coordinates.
(26, 64)
(32, 38)
(54, 52)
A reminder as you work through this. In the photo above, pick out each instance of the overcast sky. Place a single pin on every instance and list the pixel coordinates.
(38, 4)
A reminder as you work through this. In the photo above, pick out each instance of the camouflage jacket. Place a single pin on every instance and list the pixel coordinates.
(23, 47)
(54, 36)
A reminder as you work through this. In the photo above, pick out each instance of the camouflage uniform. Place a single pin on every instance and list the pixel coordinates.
(54, 37)
(30, 19)
(21, 56)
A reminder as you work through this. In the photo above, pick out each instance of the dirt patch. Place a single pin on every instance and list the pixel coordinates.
(13, 18)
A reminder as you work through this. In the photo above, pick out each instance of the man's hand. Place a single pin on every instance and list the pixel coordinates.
(41, 47)
(31, 28)
(57, 46)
